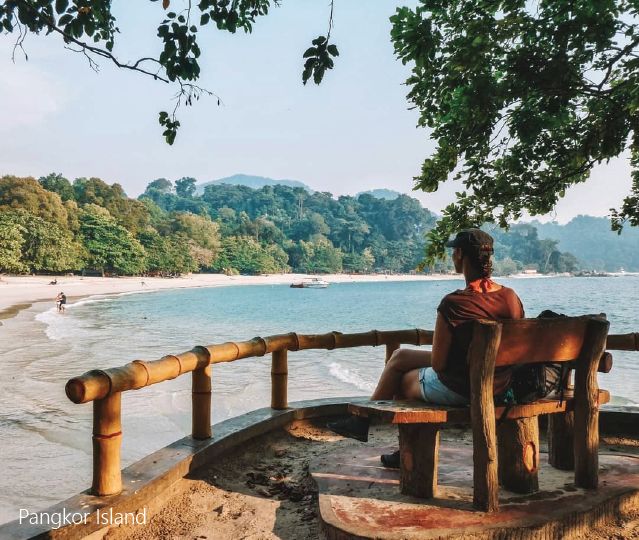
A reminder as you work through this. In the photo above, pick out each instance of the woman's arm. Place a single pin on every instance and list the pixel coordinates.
(442, 339)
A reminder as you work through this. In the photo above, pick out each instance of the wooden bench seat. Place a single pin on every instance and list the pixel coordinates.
(508, 450)
(518, 443)
(419, 412)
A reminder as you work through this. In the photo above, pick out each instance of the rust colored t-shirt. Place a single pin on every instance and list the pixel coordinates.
(459, 309)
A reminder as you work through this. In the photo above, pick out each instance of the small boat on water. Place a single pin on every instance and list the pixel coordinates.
(311, 283)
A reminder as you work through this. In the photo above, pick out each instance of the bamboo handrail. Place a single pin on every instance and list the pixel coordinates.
(623, 342)
(105, 387)
(98, 384)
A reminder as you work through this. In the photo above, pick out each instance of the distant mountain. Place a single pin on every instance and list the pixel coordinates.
(387, 194)
(594, 244)
(255, 182)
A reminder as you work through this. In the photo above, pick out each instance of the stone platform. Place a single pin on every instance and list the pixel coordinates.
(360, 499)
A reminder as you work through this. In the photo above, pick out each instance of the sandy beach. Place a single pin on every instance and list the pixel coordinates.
(19, 292)
(217, 501)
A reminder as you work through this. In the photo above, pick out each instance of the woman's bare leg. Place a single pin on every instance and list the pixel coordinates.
(401, 362)
(399, 378)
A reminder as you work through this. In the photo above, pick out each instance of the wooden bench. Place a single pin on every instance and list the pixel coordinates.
(516, 440)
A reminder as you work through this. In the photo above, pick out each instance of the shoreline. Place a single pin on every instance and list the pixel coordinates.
(18, 293)
(21, 292)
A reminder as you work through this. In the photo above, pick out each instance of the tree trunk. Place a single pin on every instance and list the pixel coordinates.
(518, 441)
(561, 452)
(482, 356)
(586, 442)
(418, 450)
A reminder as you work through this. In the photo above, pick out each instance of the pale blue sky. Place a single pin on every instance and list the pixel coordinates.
(352, 133)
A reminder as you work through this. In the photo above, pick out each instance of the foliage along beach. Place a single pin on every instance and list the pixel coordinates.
(53, 225)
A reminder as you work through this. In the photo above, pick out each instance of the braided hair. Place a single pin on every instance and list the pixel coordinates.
(481, 260)
(485, 253)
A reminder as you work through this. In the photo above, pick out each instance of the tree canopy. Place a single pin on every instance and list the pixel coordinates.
(523, 99)
(236, 229)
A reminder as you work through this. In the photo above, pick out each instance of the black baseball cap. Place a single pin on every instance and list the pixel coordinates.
(470, 239)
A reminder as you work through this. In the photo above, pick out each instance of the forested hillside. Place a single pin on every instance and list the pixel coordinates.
(54, 225)
(598, 247)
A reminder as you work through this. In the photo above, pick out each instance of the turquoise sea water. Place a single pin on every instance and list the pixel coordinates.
(45, 448)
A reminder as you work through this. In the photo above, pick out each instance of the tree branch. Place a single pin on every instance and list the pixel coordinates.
(94, 50)
(22, 35)
(330, 21)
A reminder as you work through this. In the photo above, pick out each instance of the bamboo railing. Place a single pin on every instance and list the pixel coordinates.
(105, 387)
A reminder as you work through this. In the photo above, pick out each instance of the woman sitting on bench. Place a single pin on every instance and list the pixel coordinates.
(442, 376)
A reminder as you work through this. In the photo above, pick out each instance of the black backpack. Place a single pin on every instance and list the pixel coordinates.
(531, 382)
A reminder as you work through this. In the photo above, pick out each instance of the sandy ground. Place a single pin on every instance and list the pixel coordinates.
(264, 491)
(18, 292)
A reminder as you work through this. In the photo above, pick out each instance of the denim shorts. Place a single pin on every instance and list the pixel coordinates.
(436, 392)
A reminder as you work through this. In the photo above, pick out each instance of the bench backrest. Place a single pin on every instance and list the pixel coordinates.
(558, 339)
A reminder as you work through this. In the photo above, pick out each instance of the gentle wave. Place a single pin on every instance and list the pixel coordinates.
(350, 376)
(111, 297)
(56, 330)
(622, 401)
(49, 318)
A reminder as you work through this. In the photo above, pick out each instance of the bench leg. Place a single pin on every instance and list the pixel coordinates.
(418, 449)
(561, 454)
(518, 461)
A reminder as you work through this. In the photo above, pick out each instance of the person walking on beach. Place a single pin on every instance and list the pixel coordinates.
(63, 303)
(441, 376)
(58, 299)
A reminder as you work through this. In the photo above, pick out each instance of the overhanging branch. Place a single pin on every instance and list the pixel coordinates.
(51, 24)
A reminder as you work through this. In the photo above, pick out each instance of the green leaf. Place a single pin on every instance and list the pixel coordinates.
(61, 6)
(65, 19)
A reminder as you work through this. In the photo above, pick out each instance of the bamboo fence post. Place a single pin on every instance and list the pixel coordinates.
(107, 439)
(586, 427)
(201, 402)
(279, 379)
(482, 357)
(390, 349)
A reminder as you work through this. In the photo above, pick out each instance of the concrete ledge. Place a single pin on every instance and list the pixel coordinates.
(619, 420)
(146, 479)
